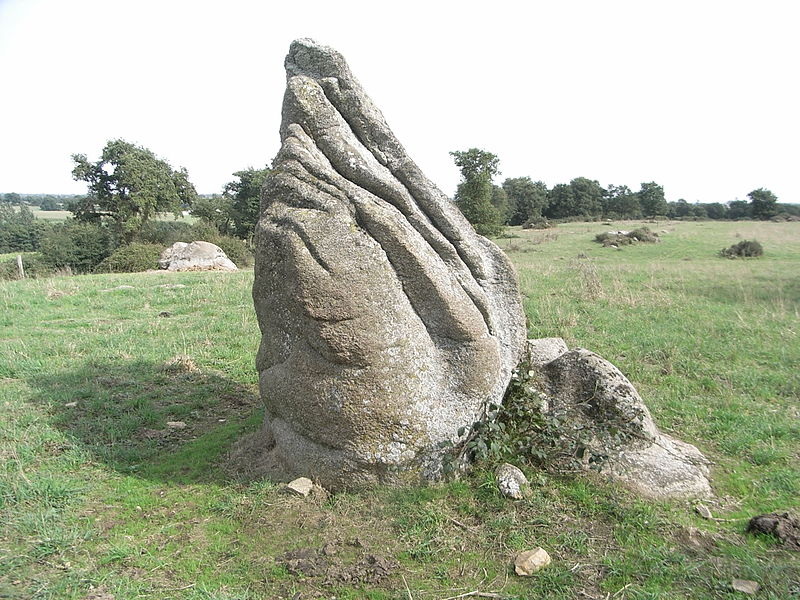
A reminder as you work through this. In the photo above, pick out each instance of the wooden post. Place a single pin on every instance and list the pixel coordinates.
(20, 268)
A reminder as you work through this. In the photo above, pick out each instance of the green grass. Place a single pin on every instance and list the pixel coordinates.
(100, 499)
(63, 215)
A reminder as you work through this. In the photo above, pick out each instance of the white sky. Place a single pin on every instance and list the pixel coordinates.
(699, 96)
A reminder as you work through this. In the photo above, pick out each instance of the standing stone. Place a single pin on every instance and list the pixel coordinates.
(387, 322)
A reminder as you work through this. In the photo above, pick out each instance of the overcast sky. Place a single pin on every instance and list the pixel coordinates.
(700, 96)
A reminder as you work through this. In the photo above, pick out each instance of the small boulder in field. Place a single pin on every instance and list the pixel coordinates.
(301, 486)
(195, 256)
(529, 562)
(784, 526)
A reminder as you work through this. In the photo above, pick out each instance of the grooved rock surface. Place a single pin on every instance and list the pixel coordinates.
(600, 410)
(386, 322)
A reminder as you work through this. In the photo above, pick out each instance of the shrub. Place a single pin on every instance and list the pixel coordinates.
(35, 266)
(20, 231)
(132, 258)
(625, 238)
(165, 233)
(537, 222)
(488, 229)
(77, 246)
(743, 249)
(235, 249)
(643, 234)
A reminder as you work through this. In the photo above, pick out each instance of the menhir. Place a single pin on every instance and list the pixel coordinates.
(387, 322)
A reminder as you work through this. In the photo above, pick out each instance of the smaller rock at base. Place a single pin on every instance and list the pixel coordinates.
(511, 481)
(529, 562)
(176, 425)
(301, 486)
(702, 510)
(745, 586)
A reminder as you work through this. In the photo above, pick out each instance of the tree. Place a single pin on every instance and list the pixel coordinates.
(217, 211)
(129, 185)
(738, 209)
(651, 199)
(474, 193)
(20, 231)
(501, 204)
(527, 199)
(245, 199)
(622, 203)
(588, 197)
(715, 210)
(560, 202)
(763, 204)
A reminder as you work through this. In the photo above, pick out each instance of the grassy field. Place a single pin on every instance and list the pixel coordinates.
(63, 215)
(101, 499)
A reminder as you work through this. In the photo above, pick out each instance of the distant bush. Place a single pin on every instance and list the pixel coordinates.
(643, 234)
(625, 238)
(537, 223)
(33, 263)
(20, 231)
(77, 246)
(133, 258)
(166, 233)
(235, 249)
(743, 249)
(488, 229)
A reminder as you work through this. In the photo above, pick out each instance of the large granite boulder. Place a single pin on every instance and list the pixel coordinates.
(387, 322)
(195, 256)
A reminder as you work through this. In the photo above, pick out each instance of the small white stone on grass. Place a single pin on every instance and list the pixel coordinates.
(745, 586)
(301, 486)
(176, 424)
(529, 562)
(71, 404)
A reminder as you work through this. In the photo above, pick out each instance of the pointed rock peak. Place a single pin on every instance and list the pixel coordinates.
(387, 323)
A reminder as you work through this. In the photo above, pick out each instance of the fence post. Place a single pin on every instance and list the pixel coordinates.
(20, 267)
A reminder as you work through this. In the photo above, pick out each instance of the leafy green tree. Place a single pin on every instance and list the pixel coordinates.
(588, 197)
(682, 208)
(652, 200)
(738, 209)
(474, 193)
(217, 211)
(527, 199)
(715, 210)
(500, 202)
(561, 202)
(20, 231)
(763, 204)
(129, 185)
(13, 198)
(244, 196)
(621, 203)
(77, 246)
(49, 203)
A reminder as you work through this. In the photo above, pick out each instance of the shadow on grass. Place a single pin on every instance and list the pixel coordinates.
(169, 422)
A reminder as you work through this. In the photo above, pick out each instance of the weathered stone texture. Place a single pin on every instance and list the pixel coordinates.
(387, 323)
(599, 406)
(195, 256)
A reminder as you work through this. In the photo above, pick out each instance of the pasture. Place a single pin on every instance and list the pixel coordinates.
(100, 498)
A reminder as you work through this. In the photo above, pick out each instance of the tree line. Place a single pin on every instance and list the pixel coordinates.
(128, 188)
(522, 201)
